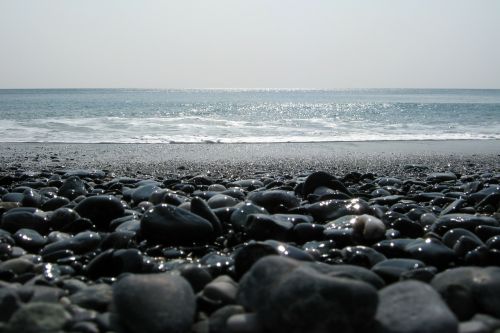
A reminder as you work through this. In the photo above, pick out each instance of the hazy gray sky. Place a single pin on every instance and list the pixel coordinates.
(250, 44)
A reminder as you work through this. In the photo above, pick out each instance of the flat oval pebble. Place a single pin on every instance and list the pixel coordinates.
(431, 251)
(142, 193)
(19, 218)
(392, 269)
(466, 221)
(333, 209)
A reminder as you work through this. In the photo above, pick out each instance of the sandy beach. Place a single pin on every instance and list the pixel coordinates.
(389, 157)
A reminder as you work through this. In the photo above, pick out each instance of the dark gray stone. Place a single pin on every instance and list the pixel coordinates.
(96, 297)
(291, 296)
(414, 307)
(72, 188)
(100, 209)
(470, 290)
(308, 301)
(466, 221)
(38, 317)
(156, 303)
(168, 224)
(274, 201)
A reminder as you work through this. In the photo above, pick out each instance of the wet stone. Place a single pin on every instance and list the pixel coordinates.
(80, 243)
(242, 210)
(29, 239)
(31, 198)
(62, 217)
(171, 225)
(262, 227)
(441, 177)
(368, 228)
(201, 208)
(143, 193)
(333, 209)
(431, 251)
(466, 221)
(274, 201)
(362, 256)
(72, 188)
(100, 209)
(221, 200)
(392, 269)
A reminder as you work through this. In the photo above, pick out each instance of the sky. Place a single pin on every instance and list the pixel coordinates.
(324, 44)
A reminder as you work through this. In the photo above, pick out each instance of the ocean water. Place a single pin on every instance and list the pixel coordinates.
(250, 116)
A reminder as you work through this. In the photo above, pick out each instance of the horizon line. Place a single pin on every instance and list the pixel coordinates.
(249, 89)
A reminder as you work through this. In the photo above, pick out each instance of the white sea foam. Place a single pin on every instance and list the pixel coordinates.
(247, 116)
(199, 130)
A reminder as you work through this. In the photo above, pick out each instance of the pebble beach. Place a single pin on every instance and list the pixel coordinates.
(377, 236)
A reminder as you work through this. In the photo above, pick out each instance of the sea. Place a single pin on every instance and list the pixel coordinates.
(246, 115)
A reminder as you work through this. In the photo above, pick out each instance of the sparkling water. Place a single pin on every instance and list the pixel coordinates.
(230, 116)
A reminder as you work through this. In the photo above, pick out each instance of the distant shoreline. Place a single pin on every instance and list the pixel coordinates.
(209, 142)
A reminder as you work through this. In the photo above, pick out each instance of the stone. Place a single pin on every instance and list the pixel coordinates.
(154, 303)
(142, 193)
(243, 323)
(262, 227)
(242, 210)
(361, 255)
(29, 239)
(25, 217)
(170, 225)
(96, 297)
(38, 317)
(466, 221)
(470, 290)
(201, 208)
(218, 319)
(368, 228)
(392, 269)
(274, 201)
(438, 177)
(333, 209)
(221, 200)
(197, 276)
(414, 307)
(17, 265)
(9, 303)
(100, 209)
(221, 291)
(431, 251)
(31, 198)
(322, 179)
(72, 188)
(80, 243)
(61, 217)
(305, 300)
